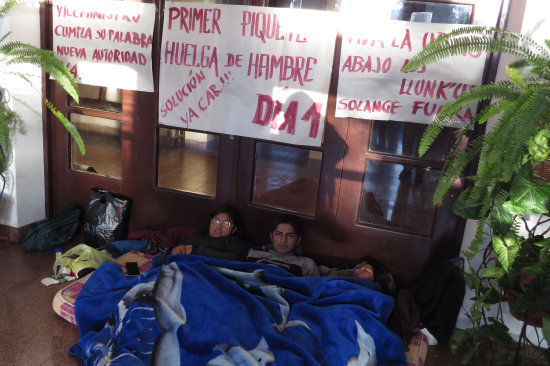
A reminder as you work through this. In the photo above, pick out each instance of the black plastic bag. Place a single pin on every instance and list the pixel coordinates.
(107, 217)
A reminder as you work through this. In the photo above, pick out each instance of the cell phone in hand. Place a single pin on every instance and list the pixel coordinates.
(132, 269)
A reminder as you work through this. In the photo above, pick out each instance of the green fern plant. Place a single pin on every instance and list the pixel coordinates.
(18, 53)
(505, 188)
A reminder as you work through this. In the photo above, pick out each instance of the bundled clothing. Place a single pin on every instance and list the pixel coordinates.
(295, 264)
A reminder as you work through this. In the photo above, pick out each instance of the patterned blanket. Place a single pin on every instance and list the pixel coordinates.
(195, 310)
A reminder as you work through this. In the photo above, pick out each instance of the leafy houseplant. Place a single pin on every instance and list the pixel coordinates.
(18, 53)
(505, 192)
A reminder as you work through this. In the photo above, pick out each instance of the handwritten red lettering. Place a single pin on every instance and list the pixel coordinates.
(431, 109)
(264, 110)
(73, 69)
(268, 112)
(289, 119)
(187, 118)
(65, 12)
(433, 88)
(369, 106)
(211, 94)
(366, 42)
(138, 39)
(234, 60)
(266, 26)
(192, 55)
(430, 36)
(297, 69)
(101, 34)
(118, 56)
(360, 64)
(71, 51)
(405, 42)
(313, 114)
(195, 20)
(421, 71)
(73, 32)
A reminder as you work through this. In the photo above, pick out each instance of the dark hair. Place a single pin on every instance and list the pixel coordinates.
(381, 274)
(233, 214)
(288, 219)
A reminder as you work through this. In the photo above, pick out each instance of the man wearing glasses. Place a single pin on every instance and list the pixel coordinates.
(222, 240)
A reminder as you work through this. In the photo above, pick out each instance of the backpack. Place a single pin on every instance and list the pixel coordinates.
(47, 234)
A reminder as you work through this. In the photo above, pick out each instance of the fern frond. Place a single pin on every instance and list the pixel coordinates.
(4, 37)
(492, 110)
(516, 77)
(479, 238)
(25, 77)
(507, 140)
(71, 128)
(458, 46)
(22, 53)
(500, 90)
(428, 137)
(525, 40)
(8, 124)
(7, 6)
(455, 167)
(519, 64)
(475, 39)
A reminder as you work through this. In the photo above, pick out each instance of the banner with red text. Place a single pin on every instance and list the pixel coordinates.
(371, 85)
(105, 43)
(248, 71)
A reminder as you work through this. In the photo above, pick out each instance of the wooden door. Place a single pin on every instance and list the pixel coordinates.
(364, 192)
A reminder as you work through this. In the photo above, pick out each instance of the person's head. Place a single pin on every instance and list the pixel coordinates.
(377, 272)
(286, 234)
(364, 270)
(224, 222)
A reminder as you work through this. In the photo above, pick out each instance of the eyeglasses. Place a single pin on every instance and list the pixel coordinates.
(218, 222)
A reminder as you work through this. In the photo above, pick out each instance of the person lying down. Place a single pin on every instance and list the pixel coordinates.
(284, 249)
(368, 269)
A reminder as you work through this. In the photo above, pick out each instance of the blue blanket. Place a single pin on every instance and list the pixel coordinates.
(196, 310)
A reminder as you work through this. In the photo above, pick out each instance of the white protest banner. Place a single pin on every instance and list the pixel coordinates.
(105, 43)
(371, 85)
(247, 71)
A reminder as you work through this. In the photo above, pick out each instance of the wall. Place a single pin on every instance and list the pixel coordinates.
(24, 200)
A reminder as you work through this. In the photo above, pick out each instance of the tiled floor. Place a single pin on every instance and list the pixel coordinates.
(31, 334)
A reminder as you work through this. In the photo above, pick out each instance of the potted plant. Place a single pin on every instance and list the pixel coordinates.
(506, 192)
(18, 53)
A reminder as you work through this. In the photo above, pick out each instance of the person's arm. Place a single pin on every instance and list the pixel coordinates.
(229, 247)
(187, 246)
(309, 268)
(240, 248)
(181, 249)
(209, 252)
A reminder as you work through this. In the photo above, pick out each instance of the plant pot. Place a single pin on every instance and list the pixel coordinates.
(531, 317)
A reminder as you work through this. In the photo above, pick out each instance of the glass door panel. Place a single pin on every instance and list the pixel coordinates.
(188, 161)
(103, 142)
(399, 197)
(286, 177)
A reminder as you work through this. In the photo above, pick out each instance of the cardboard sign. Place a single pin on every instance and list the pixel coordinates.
(372, 86)
(105, 43)
(248, 71)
